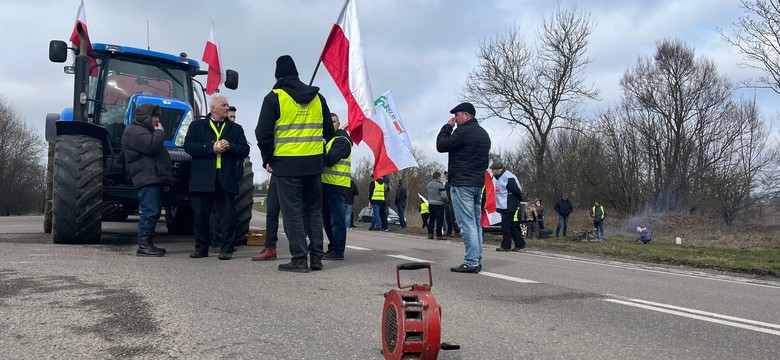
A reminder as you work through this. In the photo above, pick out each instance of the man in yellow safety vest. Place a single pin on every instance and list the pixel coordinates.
(336, 180)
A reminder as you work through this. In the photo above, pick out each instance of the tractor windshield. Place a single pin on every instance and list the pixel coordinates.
(125, 78)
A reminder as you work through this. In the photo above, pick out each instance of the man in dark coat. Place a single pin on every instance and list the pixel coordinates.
(149, 165)
(468, 147)
(564, 208)
(400, 203)
(293, 123)
(508, 197)
(217, 147)
(349, 202)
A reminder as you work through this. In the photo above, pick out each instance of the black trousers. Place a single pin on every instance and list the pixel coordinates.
(510, 231)
(436, 221)
(300, 199)
(425, 218)
(449, 215)
(203, 203)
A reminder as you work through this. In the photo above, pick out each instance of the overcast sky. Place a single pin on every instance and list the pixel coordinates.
(421, 49)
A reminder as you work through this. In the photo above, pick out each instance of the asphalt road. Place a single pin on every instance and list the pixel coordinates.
(101, 301)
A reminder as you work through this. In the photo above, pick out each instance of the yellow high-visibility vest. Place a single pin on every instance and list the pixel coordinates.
(379, 192)
(340, 173)
(423, 208)
(298, 131)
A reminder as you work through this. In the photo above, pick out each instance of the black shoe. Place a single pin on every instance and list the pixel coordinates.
(198, 255)
(295, 266)
(501, 249)
(225, 256)
(463, 268)
(430, 236)
(332, 256)
(316, 264)
(518, 249)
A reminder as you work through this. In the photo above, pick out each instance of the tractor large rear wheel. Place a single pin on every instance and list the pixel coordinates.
(244, 203)
(49, 185)
(77, 191)
(178, 220)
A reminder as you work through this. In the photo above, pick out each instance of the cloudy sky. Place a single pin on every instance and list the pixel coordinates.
(421, 49)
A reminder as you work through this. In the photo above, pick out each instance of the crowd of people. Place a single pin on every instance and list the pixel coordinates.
(309, 156)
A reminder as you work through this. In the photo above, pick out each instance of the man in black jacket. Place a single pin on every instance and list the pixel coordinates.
(293, 123)
(400, 203)
(564, 208)
(216, 147)
(148, 163)
(349, 202)
(468, 147)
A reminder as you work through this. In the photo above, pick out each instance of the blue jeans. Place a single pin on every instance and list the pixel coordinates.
(467, 203)
(377, 223)
(348, 214)
(334, 221)
(149, 203)
(599, 226)
(401, 219)
(562, 220)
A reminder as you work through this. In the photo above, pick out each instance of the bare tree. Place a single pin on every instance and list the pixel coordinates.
(732, 182)
(539, 89)
(681, 106)
(21, 164)
(757, 36)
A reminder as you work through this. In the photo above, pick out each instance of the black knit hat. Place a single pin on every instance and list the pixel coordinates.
(285, 66)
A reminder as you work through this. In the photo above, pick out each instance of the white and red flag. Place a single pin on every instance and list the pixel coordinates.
(423, 199)
(386, 135)
(344, 59)
(213, 57)
(75, 39)
(490, 215)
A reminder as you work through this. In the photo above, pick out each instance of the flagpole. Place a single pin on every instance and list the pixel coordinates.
(315, 72)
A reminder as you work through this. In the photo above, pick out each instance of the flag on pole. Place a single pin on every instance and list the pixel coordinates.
(344, 59)
(213, 57)
(490, 215)
(385, 134)
(75, 39)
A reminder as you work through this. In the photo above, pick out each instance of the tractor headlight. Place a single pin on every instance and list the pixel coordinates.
(185, 125)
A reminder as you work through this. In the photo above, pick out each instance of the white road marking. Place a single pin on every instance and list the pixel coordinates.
(510, 278)
(402, 257)
(356, 248)
(700, 315)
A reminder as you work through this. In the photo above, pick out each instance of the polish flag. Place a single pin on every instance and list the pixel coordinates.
(344, 59)
(490, 215)
(213, 57)
(75, 39)
(423, 199)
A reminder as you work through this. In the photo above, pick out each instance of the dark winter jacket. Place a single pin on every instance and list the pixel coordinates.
(199, 143)
(146, 158)
(563, 207)
(400, 196)
(270, 113)
(469, 148)
(340, 149)
(349, 199)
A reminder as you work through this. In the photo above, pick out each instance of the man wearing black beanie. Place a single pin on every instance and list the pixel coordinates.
(294, 121)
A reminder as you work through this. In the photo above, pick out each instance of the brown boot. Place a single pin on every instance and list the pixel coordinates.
(268, 253)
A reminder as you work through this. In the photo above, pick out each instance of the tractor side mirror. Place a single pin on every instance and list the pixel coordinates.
(232, 79)
(58, 51)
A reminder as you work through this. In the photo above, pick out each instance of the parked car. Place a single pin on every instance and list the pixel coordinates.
(367, 215)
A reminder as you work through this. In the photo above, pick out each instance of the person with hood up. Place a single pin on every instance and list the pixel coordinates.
(294, 121)
(149, 165)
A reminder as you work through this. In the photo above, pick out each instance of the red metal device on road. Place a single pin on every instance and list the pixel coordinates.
(411, 320)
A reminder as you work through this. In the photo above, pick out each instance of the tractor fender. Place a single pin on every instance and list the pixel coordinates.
(67, 127)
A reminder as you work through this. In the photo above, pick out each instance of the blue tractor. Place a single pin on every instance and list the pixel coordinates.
(86, 179)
